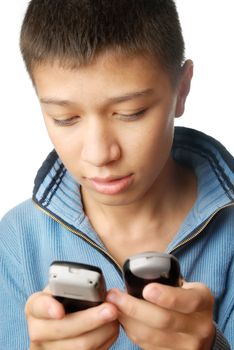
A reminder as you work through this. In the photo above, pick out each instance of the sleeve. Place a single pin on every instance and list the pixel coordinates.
(225, 320)
(220, 342)
(13, 296)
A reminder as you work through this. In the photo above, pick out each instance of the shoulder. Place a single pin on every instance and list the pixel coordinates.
(12, 226)
(221, 226)
(19, 216)
(225, 219)
(21, 223)
(220, 234)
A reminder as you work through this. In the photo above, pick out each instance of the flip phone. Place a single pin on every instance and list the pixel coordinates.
(77, 286)
(149, 267)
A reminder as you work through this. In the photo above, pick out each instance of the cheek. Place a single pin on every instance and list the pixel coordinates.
(154, 145)
(64, 144)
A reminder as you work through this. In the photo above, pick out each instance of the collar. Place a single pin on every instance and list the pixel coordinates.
(57, 193)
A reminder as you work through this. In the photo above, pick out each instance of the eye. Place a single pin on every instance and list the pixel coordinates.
(133, 116)
(66, 122)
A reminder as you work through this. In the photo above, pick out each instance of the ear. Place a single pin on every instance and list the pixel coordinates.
(183, 87)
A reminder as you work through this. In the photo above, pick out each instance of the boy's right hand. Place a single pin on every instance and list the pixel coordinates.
(51, 329)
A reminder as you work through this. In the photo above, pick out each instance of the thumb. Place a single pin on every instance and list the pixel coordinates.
(43, 305)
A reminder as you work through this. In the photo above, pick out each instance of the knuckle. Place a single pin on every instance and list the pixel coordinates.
(83, 343)
(114, 328)
(34, 335)
(194, 304)
(171, 302)
(202, 335)
(146, 335)
(167, 320)
(32, 300)
(206, 296)
(27, 308)
(211, 300)
(143, 338)
(134, 337)
(194, 343)
(39, 331)
(112, 340)
(205, 331)
(131, 310)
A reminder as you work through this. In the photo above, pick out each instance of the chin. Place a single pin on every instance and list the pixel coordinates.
(114, 200)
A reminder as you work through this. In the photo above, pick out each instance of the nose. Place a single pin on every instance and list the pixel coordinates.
(100, 146)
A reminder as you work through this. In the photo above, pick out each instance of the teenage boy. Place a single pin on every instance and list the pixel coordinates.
(111, 78)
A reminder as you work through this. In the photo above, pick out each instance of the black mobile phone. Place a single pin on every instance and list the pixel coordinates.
(148, 267)
(77, 286)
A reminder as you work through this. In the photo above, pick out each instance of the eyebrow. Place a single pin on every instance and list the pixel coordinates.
(131, 96)
(115, 99)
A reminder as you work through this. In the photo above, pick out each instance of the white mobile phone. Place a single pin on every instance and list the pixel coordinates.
(77, 286)
(148, 267)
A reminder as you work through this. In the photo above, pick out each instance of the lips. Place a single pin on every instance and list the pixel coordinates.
(111, 185)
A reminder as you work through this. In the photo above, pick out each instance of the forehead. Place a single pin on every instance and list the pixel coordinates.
(108, 74)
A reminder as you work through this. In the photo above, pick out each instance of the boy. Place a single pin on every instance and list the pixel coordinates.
(111, 78)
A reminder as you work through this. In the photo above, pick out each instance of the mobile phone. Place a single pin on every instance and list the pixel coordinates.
(77, 286)
(148, 267)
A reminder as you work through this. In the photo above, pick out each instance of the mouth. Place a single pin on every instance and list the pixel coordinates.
(111, 185)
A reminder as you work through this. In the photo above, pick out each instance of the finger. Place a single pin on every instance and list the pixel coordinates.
(143, 312)
(192, 297)
(107, 345)
(72, 325)
(197, 337)
(153, 338)
(43, 306)
(101, 338)
(135, 312)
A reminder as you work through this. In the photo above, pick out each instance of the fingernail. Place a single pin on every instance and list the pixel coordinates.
(112, 297)
(152, 294)
(53, 312)
(107, 314)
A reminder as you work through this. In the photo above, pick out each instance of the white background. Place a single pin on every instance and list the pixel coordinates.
(208, 29)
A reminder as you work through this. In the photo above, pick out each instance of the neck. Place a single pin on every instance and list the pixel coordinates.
(161, 209)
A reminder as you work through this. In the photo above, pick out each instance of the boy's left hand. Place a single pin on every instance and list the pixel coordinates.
(169, 317)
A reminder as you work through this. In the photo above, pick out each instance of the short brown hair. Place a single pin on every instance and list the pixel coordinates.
(75, 31)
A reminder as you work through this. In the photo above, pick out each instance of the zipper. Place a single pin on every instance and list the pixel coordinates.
(81, 235)
(103, 251)
(195, 234)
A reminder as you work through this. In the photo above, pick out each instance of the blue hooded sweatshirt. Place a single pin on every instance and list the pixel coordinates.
(53, 226)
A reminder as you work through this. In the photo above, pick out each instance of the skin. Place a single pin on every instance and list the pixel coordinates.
(104, 102)
(103, 120)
